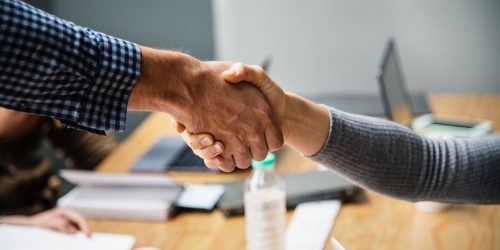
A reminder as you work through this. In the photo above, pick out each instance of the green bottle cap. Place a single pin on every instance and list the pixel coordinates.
(266, 163)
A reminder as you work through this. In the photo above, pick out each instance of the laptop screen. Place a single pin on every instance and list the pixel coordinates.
(394, 92)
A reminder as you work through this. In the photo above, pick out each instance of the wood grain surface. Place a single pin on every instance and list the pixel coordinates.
(379, 222)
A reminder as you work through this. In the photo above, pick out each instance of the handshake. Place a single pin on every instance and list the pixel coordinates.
(228, 113)
(253, 124)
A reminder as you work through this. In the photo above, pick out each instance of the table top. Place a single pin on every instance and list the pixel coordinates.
(379, 222)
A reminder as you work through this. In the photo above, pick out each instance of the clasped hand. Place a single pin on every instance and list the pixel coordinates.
(216, 152)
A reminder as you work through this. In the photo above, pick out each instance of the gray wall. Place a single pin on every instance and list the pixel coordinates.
(176, 24)
(334, 46)
(321, 46)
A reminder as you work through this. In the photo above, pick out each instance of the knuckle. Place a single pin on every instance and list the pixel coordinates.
(255, 137)
(258, 69)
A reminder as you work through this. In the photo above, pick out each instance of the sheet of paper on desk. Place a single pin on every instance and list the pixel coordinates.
(199, 196)
(311, 224)
(93, 178)
(29, 238)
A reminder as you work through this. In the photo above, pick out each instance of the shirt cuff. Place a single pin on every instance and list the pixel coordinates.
(325, 151)
(104, 104)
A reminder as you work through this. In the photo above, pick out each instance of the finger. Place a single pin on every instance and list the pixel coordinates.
(210, 152)
(179, 127)
(58, 224)
(76, 219)
(70, 228)
(235, 73)
(226, 162)
(258, 149)
(274, 138)
(243, 158)
(213, 163)
(197, 141)
(249, 73)
(227, 167)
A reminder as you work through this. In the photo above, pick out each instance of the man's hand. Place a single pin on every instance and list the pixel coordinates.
(211, 150)
(196, 95)
(275, 95)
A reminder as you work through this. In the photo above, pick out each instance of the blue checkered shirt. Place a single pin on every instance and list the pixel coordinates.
(52, 67)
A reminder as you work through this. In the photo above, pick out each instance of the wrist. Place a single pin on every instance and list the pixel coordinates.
(292, 120)
(16, 220)
(307, 124)
(162, 85)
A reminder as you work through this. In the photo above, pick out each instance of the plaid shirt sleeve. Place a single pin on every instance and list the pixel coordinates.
(52, 67)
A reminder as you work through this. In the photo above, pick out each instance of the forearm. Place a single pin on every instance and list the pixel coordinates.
(306, 124)
(165, 81)
(393, 160)
(160, 80)
(52, 67)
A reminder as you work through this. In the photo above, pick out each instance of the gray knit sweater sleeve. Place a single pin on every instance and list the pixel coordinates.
(392, 160)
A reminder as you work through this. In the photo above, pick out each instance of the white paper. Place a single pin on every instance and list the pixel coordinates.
(200, 196)
(117, 179)
(122, 203)
(336, 244)
(311, 225)
(30, 238)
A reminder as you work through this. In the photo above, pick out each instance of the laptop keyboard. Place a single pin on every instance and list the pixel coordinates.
(187, 161)
(170, 154)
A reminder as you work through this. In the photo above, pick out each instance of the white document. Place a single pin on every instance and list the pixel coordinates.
(336, 244)
(311, 225)
(200, 196)
(121, 196)
(92, 178)
(30, 238)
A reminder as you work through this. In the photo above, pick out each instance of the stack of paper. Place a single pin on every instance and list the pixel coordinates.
(29, 238)
(121, 196)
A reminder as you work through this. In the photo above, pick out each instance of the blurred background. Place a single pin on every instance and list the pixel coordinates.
(318, 48)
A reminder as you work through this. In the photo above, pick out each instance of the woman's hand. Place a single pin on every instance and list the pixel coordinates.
(275, 95)
(305, 124)
(59, 219)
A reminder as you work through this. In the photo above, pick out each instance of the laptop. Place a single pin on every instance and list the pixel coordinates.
(300, 187)
(170, 153)
(399, 108)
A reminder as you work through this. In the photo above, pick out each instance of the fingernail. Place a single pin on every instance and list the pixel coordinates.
(205, 141)
(216, 149)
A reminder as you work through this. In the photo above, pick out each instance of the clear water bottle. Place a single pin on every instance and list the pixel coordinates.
(265, 207)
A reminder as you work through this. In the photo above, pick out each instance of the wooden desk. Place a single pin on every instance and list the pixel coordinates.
(378, 223)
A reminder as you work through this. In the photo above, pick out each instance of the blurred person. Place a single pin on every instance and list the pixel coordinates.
(374, 153)
(28, 181)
